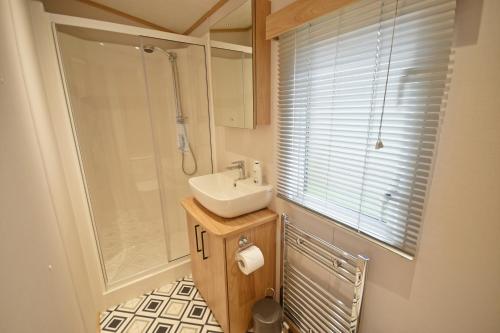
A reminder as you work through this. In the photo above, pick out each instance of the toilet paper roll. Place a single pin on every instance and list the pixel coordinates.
(250, 259)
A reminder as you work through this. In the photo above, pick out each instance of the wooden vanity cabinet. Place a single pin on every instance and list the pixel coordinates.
(209, 271)
(213, 243)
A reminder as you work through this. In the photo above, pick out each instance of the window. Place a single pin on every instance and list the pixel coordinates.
(361, 96)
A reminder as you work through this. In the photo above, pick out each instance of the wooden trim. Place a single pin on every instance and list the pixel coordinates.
(203, 18)
(125, 15)
(230, 46)
(232, 29)
(261, 63)
(282, 258)
(299, 13)
(226, 227)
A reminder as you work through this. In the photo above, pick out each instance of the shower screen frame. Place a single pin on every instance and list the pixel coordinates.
(104, 295)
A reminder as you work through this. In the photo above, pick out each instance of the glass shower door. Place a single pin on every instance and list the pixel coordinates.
(177, 87)
(120, 99)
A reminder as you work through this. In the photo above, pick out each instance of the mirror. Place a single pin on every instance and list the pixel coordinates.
(232, 88)
(231, 41)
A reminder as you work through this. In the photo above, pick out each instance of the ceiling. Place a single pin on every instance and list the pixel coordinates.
(240, 18)
(175, 15)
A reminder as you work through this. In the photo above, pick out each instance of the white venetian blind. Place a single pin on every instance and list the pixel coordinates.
(374, 69)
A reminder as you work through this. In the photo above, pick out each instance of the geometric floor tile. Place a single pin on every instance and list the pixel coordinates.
(196, 313)
(197, 296)
(152, 306)
(189, 328)
(162, 325)
(166, 290)
(212, 321)
(184, 290)
(116, 322)
(174, 308)
(138, 325)
(103, 315)
(211, 329)
(131, 305)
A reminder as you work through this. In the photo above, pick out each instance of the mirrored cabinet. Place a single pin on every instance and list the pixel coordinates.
(232, 86)
(240, 58)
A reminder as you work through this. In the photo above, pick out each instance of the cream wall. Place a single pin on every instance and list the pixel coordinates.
(39, 292)
(235, 37)
(453, 284)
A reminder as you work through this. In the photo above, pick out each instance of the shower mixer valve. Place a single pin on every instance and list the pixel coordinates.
(182, 141)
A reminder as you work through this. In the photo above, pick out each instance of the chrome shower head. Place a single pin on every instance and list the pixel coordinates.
(148, 48)
(172, 55)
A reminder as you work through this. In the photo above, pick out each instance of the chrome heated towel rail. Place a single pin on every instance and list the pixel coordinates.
(308, 305)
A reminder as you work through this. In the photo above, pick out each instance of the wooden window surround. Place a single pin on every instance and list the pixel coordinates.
(261, 63)
(298, 13)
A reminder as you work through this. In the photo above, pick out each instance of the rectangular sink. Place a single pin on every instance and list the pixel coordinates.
(225, 196)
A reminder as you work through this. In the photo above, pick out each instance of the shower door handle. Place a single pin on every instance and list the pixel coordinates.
(196, 237)
(203, 244)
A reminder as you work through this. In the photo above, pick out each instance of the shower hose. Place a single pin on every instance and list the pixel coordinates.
(195, 163)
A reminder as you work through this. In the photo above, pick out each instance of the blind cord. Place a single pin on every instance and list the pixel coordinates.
(379, 144)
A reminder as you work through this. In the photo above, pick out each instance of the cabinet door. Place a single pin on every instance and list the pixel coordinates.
(194, 230)
(214, 277)
(245, 290)
(208, 261)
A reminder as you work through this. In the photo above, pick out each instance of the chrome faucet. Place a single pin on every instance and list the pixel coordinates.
(240, 165)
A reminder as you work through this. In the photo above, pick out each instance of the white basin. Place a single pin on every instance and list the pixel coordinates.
(217, 193)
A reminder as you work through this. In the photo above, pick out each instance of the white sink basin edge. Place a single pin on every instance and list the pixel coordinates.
(217, 193)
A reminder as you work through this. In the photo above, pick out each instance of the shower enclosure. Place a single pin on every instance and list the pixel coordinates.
(140, 123)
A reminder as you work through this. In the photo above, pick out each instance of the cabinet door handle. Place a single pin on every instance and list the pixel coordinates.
(196, 236)
(203, 244)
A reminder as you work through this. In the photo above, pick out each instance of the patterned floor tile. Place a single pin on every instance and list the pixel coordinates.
(166, 290)
(198, 297)
(184, 290)
(196, 313)
(162, 325)
(211, 320)
(152, 306)
(174, 308)
(116, 322)
(132, 305)
(189, 328)
(211, 329)
(138, 324)
(103, 316)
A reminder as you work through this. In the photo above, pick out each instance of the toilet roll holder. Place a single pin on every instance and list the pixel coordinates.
(243, 244)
